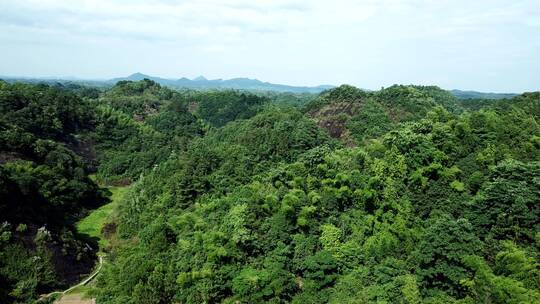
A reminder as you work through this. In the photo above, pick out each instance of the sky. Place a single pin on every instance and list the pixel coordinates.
(473, 45)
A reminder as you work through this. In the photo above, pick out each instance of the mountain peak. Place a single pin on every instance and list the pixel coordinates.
(137, 76)
(200, 78)
(240, 83)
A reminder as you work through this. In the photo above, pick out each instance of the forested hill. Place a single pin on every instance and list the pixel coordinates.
(403, 195)
(44, 189)
(240, 83)
(480, 95)
(200, 83)
(354, 115)
(235, 83)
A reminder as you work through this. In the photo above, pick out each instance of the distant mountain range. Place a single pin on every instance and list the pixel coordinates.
(234, 83)
(480, 95)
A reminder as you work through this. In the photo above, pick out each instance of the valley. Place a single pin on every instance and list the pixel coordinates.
(142, 193)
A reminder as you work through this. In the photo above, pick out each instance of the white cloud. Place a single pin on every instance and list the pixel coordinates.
(365, 42)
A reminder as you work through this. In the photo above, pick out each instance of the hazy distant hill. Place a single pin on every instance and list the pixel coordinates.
(234, 83)
(53, 81)
(480, 95)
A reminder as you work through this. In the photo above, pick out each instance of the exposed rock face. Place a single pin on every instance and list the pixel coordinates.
(333, 117)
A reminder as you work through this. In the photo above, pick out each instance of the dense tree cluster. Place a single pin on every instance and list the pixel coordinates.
(219, 107)
(439, 207)
(403, 195)
(355, 116)
(51, 139)
(44, 187)
(138, 125)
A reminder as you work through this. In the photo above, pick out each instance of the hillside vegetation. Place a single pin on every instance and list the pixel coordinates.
(354, 115)
(403, 195)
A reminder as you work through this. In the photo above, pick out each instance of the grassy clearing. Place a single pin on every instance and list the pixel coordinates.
(93, 223)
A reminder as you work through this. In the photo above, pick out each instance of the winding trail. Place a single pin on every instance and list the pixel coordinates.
(89, 278)
(91, 225)
(82, 283)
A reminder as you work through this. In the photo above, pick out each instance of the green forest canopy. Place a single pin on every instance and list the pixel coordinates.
(403, 195)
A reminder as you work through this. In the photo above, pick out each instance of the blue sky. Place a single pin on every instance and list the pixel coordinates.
(481, 45)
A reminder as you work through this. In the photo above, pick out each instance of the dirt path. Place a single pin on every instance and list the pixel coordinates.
(91, 225)
(89, 278)
(76, 298)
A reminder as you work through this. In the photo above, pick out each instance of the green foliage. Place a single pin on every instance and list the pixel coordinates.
(343, 93)
(514, 279)
(440, 252)
(44, 188)
(356, 116)
(138, 125)
(245, 201)
(506, 205)
(371, 122)
(268, 210)
(221, 107)
(41, 111)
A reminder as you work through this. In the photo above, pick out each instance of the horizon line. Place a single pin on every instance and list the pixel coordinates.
(77, 78)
